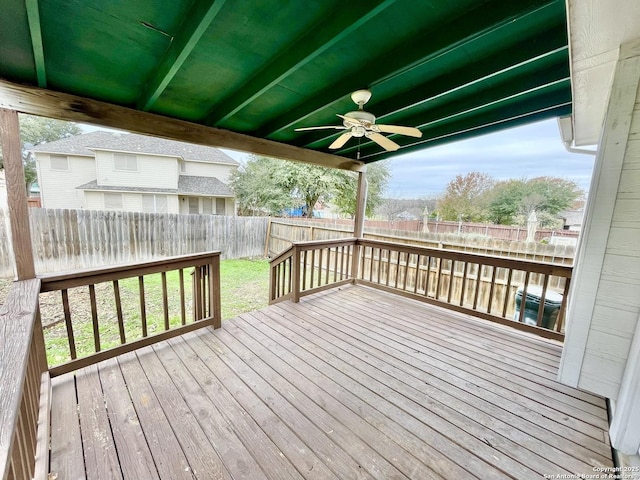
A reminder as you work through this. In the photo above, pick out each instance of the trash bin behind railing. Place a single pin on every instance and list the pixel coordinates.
(552, 303)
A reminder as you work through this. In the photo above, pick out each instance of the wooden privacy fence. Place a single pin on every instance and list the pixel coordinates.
(183, 307)
(282, 233)
(66, 240)
(499, 232)
(481, 285)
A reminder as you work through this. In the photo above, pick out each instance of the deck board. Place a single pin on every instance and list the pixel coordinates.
(349, 383)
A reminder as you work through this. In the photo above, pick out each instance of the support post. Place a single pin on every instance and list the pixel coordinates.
(358, 228)
(16, 194)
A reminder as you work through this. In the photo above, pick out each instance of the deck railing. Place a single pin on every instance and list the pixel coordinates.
(196, 276)
(310, 267)
(481, 285)
(24, 386)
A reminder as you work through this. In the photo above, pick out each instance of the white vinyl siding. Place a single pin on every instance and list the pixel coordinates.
(58, 187)
(153, 171)
(113, 201)
(59, 162)
(125, 162)
(220, 171)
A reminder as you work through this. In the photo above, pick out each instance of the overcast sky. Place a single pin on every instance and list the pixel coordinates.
(524, 152)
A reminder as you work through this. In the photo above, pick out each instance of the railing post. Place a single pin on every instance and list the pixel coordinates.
(358, 228)
(16, 194)
(295, 275)
(215, 308)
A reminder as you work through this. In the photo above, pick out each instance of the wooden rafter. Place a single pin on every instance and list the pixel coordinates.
(198, 20)
(316, 41)
(63, 106)
(406, 57)
(33, 15)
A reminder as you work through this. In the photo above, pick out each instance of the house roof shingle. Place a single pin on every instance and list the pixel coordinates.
(131, 142)
(187, 185)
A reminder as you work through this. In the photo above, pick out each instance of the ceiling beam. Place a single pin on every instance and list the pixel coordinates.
(475, 24)
(35, 29)
(484, 129)
(499, 97)
(329, 31)
(48, 103)
(195, 25)
(558, 101)
(518, 80)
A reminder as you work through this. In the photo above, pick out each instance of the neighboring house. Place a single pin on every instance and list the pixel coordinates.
(124, 171)
(572, 219)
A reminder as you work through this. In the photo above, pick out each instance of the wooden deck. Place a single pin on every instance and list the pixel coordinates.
(349, 383)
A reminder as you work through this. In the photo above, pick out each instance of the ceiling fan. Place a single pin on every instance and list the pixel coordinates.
(360, 123)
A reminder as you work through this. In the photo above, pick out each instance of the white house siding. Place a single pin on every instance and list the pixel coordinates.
(154, 171)
(604, 309)
(205, 169)
(58, 187)
(131, 201)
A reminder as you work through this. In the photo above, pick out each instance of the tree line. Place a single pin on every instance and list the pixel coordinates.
(477, 197)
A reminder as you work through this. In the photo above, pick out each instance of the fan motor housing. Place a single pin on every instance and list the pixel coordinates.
(360, 115)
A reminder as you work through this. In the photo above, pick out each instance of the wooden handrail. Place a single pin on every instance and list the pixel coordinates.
(490, 260)
(429, 275)
(22, 365)
(205, 281)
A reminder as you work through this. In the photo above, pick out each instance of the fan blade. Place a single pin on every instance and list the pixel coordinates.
(333, 127)
(409, 131)
(341, 140)
(384, 142)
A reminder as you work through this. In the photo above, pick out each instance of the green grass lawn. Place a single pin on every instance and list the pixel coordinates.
(244, 287)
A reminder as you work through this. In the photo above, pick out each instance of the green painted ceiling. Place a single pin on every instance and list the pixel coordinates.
(265, 67)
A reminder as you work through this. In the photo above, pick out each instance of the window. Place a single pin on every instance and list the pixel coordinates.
(154, 203)
(207, 206)
(59, 162)
(194, 205)
(183, 167)
(220, 203)
(124, 161)
(113, 201)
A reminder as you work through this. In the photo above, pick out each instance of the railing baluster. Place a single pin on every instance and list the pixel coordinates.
(183, 303)
(94, 317)
(523, 300)
(428, 276)
(563, 306)
(304, 270)
(371, 265)
(406, 270)
(542, 299)
(119, 315)
(507, 293)
(452, 267)
(313, 267)
(165, 300)
(326, 273)
(320, 255)
(389, 254)
(143, 306)
(398, 254)
(417, 275)
(68, 324)
(464, 282)
(335, 264)
(491, 288)
(439, 274)
(477, 289)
